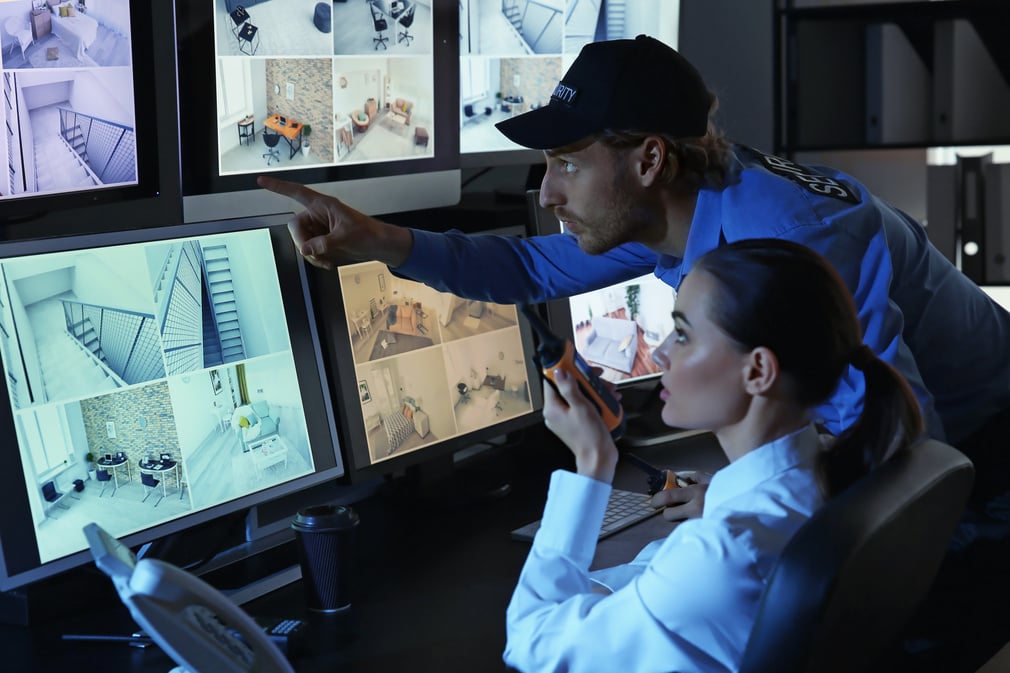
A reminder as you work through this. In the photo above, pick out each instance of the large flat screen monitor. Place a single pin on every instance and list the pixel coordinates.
(513, 54)
(349, 97)
(420, 373)
(153, 380)
(91, 122)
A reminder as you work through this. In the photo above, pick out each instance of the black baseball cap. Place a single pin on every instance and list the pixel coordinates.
(620, 85)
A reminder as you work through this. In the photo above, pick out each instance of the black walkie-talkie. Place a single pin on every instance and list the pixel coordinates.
(557, 353)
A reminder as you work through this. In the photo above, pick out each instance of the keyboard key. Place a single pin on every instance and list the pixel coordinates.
(624, 509)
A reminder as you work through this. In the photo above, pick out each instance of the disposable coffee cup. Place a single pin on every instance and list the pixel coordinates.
(325, 537)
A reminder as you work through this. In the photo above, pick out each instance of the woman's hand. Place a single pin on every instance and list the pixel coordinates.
(574, 419)
(686, 502)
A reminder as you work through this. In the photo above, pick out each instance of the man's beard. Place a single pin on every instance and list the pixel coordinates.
(615, 225)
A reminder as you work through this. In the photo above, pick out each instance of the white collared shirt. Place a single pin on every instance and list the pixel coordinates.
(687, 603)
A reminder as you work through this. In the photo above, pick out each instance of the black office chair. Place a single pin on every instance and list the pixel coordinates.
(406, 20)
(271, 140)
(379, 22)
(52, 496)
(105, 476)
(464, 393)
(148, 480)
(851, 577)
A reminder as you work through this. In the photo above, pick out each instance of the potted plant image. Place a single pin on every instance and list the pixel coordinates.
(306, 132)
(89, 458)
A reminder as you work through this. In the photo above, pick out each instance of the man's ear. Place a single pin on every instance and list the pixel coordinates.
(761, 371)
(650, 159)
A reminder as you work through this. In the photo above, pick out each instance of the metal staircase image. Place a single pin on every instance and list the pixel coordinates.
(220, 289)
(616, 18)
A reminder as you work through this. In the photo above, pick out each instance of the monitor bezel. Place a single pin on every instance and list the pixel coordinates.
(16, 536)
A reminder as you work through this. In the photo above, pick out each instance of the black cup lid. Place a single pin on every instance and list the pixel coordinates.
(325, 517)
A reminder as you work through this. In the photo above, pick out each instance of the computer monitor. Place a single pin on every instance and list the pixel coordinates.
(91, 139)
(193, 342)
(353, 99)
(422, 374)
(511, 59)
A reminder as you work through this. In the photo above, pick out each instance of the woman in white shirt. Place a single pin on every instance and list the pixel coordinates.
(764, 330)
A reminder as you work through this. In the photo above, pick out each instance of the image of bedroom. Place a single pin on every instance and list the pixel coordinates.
(394, 26)
(69, 129)
(487, 378)
(512, 28)
(273, 28)
(274, 113)
(89, 460)
(494, 89)
(618, 327)
(242, 432)
(387, 315)
(463, 318)
(217, 300)
(383, 108)
(69, 34)
(54, 305)
(405, 403)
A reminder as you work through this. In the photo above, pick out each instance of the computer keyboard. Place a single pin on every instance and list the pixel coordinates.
(625, 508)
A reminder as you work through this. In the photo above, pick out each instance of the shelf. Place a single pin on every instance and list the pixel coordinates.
(894, 75)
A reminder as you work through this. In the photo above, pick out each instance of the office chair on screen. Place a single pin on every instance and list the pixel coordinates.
(406, 20)
(851, 577)
(271, 140)
(379, 22)
(105, 476)
(150, 485)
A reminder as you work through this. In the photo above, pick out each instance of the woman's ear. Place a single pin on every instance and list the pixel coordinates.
(761, 371)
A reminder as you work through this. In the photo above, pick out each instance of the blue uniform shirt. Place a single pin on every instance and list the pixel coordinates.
(688, 602)
(918, 312)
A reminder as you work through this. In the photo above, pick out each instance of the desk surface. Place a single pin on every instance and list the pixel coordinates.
(434, 577)
(290, 129)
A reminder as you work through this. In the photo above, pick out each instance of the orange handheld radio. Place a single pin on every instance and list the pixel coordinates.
(557, 353)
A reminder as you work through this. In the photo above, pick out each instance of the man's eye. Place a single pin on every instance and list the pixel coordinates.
(568, 167)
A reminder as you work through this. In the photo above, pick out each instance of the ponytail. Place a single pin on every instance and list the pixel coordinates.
(889, 422)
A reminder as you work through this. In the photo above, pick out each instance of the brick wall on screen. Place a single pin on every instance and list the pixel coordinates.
(125, 409)
(313, 100)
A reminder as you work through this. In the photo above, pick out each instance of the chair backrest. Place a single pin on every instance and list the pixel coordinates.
(49, 491)
(271, 139)
(102, 474)
(850, 578)
(147, 479)
(407, 18)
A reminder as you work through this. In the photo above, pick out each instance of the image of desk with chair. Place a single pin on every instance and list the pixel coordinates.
(114, 465)
(290, 129)
(154, 473)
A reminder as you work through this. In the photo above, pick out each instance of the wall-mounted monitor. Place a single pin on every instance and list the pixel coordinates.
(90, 112)
(513, 54)
(349, 97)
(421, 374)
(153, 380)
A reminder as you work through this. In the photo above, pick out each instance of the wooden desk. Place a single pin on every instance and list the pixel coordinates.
(291, 130)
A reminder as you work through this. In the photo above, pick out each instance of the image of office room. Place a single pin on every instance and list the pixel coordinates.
(405, 403)
(383, 108)
(217, 300)
(79, 324)
(71, 34)
(511, 27)
(596, 20)
(387, 315)
(112, 459)
(487, 377)
(460, 318)
(245, 429)
(494, 89)
(273, 28)
(394, 26)
(275, 114)
(69, 129)
(617, 328)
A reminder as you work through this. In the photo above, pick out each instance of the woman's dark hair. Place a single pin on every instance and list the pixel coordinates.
(787, 298)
